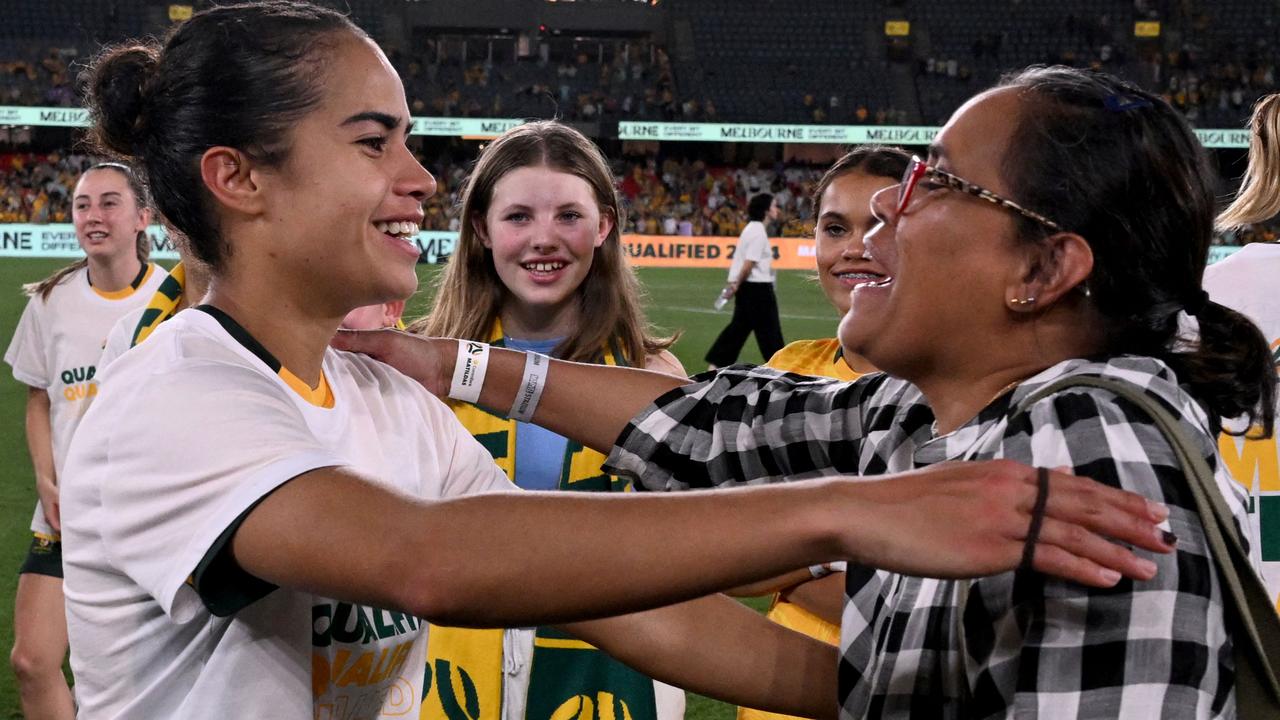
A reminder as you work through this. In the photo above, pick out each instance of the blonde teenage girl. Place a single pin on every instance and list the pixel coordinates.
(540, 268)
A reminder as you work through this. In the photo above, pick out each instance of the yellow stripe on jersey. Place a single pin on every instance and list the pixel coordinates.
(321, 395)
(143, 275)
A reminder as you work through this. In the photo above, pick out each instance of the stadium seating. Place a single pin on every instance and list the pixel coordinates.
(802, 61)
(758, 61)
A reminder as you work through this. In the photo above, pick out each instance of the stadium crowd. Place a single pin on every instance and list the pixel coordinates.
(1210, 76)
(674, 197)
(36, 188)
(664, 198)
(1217, 86)
(30, 79)
(661, 196)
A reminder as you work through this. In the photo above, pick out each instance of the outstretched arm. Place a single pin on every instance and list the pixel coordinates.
(562, 409)
(452, 561)
(718, 647)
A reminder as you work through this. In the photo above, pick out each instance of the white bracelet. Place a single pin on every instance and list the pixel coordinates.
(530, 392)
(469, 370)
(825, 569)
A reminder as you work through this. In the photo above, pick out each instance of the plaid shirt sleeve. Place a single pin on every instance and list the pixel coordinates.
(1025, 645)
(1045, 648)
(743, 425)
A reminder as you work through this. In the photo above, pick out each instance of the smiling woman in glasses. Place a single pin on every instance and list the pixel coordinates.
(1058, 229)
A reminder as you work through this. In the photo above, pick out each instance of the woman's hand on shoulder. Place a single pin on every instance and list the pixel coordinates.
(427, 360)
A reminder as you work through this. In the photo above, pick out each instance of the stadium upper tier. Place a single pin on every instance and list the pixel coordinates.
(909, 62)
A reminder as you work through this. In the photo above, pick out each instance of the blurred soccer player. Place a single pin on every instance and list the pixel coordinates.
(54, 352)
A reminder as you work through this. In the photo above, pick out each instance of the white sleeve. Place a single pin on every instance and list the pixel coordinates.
(735, 265)
(188, 454)
(120, 338)
(28, 353)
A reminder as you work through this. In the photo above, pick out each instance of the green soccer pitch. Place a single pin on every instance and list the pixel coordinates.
(677, 300)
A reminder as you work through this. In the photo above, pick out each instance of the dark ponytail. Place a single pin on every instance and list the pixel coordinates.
(238, 76)
(1120, 167)
(1230, 367)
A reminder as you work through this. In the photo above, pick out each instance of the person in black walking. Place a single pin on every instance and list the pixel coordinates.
(751, 276)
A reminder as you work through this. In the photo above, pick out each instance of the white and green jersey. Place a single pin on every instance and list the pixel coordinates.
(56, 348)
(190, 430)
(1246, 282)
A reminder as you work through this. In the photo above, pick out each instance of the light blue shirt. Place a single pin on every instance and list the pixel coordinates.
(539, 452)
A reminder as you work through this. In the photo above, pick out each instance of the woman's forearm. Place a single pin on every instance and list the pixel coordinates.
(40, 434)
(40, 445)
(576, 555)
(588, 403)
(584, 555)
(718, 647)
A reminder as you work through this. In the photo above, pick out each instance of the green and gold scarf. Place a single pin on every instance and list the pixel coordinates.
(569, 678)
(164, 303)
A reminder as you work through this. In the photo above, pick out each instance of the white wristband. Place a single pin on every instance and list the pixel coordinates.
(825, 569)
(530, 391)
(469, 370)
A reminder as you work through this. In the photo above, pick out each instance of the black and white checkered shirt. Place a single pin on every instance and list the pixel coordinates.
(1032, 646)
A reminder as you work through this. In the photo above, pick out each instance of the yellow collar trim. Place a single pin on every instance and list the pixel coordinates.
(127, 290)
(321, 395)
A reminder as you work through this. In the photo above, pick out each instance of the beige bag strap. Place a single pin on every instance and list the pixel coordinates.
(1246, 601)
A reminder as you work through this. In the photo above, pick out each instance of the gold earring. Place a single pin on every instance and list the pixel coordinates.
(1022, 302)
